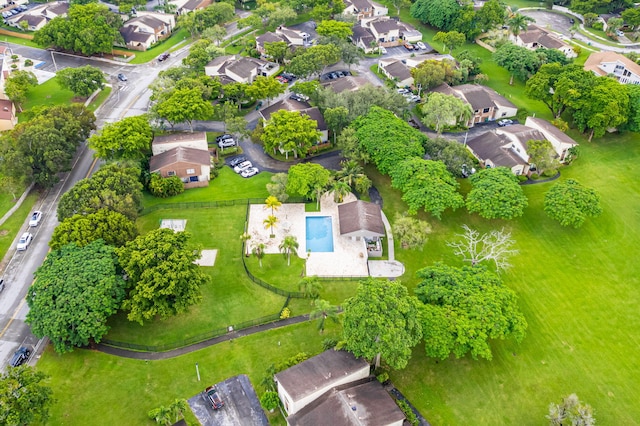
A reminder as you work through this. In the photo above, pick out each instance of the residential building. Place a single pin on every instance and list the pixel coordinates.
(304, 108)
(34, 23)
(536, 37)
(386, 31)
(560, 141)
(267, 37)
(141, 32)
(360, 220)
(304, 383)
(185, 6)
(191, 165)
(291, 36)
(346, 84)
(8, 118)
(239, 69)
(396, 71)
(614, 64)
(409, 33)
(486, 103)
(363, 9)
(38, 16)
(363, 38)
(195, 140)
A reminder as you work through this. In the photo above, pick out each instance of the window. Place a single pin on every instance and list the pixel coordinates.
(485, 110)
(171, 173)
(191, 171)
(193, 178)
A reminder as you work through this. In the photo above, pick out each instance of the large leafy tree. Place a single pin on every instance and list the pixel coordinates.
(431, 73)
(82, 81)
(455, 156)
(17, 86)
(382, 320)
(277, 50)
(335, 30)
(426, 184)
(127, 139)
(112, 227)
(113, 187)
(201, 53)
(450, 39)
(519, 61)
(183, 105)
(162, 275)
(571, 203)
(543, 155)
(290, 132)
(438, 13)
(314, 59)
(265, 88)
(496, 194)
(198, 21)
(492, 14)
(633, 122)
(76, 290)
(465, 308)
(442, 110)
(37, 150)
(387, 139)
(87, 29)
(359, 102)
(308, 180)
(24, 398)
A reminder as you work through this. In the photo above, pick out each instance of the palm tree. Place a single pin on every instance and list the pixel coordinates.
(310, 287)
(340, 189)
(162, 415)
(518, 23)
(289, 245)
(270, 222)
(323, 310)
(273, 203)
(258, 251)
(177, 409)
(349, 172)
(244, 237)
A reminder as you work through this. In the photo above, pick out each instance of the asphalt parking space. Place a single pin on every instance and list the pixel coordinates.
(550, 20)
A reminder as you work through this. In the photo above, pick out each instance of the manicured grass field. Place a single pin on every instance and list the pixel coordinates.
(47, 93)
(229, 298)
(13, 225)
(99, 99)
(179, 37)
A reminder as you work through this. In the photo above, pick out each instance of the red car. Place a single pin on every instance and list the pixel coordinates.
(213, 397)
(409, 46)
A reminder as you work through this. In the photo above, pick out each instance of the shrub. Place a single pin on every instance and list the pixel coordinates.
(329, 343)
(408, 412)
(286, 313)
(597, 26)
(534, 176)
(28, 62)
(522, 178)
(165, 187)
(383, 377)
(270, 401)
(411, 232)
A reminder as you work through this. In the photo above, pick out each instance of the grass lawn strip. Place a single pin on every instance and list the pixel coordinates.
(13, 225)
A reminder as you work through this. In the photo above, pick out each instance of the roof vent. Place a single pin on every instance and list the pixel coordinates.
(6, 108)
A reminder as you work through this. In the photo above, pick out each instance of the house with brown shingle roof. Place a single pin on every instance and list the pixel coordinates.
(185, 6)
(536, 37)
(267, 37)
(240, 69)
(396, 71)
(612, 63)
(346, 84)
(386, 31)
(362, 220)
(304, 108)
(363, 38)
(192, 166)
(560, 141)
(363, 9)
(195, 140)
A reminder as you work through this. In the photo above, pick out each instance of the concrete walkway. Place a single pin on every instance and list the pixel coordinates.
(387, 268)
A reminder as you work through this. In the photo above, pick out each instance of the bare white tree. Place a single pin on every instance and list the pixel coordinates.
(473, 247)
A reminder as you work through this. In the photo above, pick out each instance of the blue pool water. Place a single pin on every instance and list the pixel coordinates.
(319, 234)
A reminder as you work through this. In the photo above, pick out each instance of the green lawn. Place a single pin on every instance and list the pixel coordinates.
(47, 93)
(13, 225)
(229, 298)
(93, 388)
(179, 37)
(98, 100)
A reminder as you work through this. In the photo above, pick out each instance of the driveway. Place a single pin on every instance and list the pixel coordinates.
(553, 21)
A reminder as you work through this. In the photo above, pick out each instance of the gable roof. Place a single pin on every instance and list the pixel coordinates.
(346, 84)
(383, 26)
(547, 127)
(318, 372)
(361, 5)
(268, 37)
(361, 216)
(286, 104)
(32, 21)
(476, 95)
(491, 146)
(131, 34)
(359, 403)
(179, 155)
(596, 58)
(537, 34)
(243, 67)
(58, 8)
(522, 133)
(179, 137)
(147, 20)
(396, 69)
(362, 34)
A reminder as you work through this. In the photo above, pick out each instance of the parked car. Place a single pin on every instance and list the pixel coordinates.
(413, 98)
(421, 45)
(409, 46)
(122, 77)
(298, 97)
(36, 217)
(1, 285)
(223, 137)
(237, 160)
(242, 166)
(227, 143)
(20, 357)
(163, 57)
(403, 91)
(289, 76)
(619, 33)
(24, 241)
(505, 122)
(381, 49)
(214, 398)
(251, 171)
(281, 79)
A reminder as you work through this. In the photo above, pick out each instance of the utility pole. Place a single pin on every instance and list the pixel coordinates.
(54, 61)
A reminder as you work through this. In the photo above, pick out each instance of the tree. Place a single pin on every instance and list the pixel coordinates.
(571, 203)
(270, 222)
(165, 187)
(335, 30)
(112, 227)
(201, 53)
(161, 415)
(571, 411)
(451, 39)
(127, 139)
(265, 88)
(277, 50)
(11, 185)
(382, 320)
(272, 203)
(323, 310)
(87, 29)
(492, 14)
(496, 194)
(455, 156)
(258, 251)
(310, 287)
(350, 146)
(162, 276)
(184, 105)
(631, 16)
(543, 155)
(411, 232)
(340, 189)
(437, 13)
(353, 175)
(387, 139)
(76, 290)
(350, 53)
(428, 74)
(633, 122)
(541, 86)
(614, 24)
(216, 33)
(314, 59)
(589, 19)
(337, 119)
(177, 409)
(290, 131)
(361, 101)
(518, 22)
(113, 187)
(321, 12)
(519, 61)
(82, 81)
(308, 180)
(464, 308)
(277, 186)
(399, 4)
(475, 248)
(442, 110)
(24, 398)
(281, 15)
(288, 246)
(17, 86)
(426, 184)
(549, 56)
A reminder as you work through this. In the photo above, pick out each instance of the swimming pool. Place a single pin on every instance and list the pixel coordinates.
(319, 234)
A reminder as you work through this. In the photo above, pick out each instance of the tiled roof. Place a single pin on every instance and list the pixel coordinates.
(551, 129)
(360, 216)
(179, 155)
(595, 59)
(491, 146)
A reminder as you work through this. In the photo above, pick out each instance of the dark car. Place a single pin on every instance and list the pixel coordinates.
(1, 285)
(214, 398)
(237, 160)
(20, 357)
(289, 76)
(163, 57)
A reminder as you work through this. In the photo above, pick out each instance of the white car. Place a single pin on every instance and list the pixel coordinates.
(226, 143)
(36, 217)
(24, 241)
(251, 171)
(403, 91)
(421, 45)
(242, 166)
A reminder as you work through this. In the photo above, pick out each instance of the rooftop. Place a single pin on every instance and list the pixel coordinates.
(490, 146)
(595, 59)
(361, 216)
(179, 137)
(179, 155)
